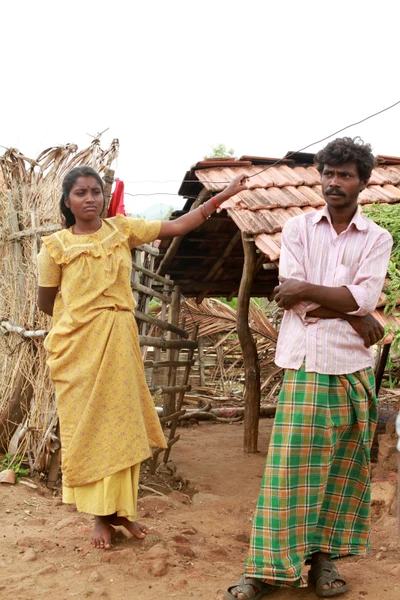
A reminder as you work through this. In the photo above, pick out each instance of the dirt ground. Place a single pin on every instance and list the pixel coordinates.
(195, 548)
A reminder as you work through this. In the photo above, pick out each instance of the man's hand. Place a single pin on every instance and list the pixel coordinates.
(368, 328)
(288, 293)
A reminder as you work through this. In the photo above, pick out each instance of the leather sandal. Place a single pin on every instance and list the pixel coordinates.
(325, 572)
(254, 589)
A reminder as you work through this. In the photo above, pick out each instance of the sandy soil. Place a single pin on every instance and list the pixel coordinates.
(194, 549)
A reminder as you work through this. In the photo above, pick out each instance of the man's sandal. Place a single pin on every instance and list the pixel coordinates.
(254, 589)
(325, 572)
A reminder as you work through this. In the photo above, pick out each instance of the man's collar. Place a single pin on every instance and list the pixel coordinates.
(358, 220)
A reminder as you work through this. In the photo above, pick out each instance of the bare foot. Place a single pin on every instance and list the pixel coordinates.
(102, 531)
(136, 529)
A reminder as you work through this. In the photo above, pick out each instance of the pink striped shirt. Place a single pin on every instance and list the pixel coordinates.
(356, 258)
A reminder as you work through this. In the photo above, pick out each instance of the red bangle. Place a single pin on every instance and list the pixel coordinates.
(217, 206)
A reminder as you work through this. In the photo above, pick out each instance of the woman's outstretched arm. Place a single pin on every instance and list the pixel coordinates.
(195, 218)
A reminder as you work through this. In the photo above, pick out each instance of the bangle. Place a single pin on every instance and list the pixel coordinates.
(203, 212)
(217, 206)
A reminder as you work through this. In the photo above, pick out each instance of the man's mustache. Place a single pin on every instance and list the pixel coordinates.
(335, 191)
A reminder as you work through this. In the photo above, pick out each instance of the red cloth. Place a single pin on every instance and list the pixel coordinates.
(117, 200)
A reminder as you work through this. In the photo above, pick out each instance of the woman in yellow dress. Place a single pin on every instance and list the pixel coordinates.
(107, 417)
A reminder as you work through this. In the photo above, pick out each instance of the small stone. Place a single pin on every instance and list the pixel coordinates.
(180, 539)
(379, 556)
(244, 538)
(179, 497)
(190, 531)
(185, 551)
(157, 552)
(396, 572)
(159, 567)
(383, 549)
(180, 584)
(95, 576)
(118, 556)
(153, 538)
(29, 555)
(220, 552)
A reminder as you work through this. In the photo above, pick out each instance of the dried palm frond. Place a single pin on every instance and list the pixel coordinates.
(217, 323)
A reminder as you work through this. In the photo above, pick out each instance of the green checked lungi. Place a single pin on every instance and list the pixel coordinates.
(315, 493)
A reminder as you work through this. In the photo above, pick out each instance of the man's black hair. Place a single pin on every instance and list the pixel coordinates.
(345, 150)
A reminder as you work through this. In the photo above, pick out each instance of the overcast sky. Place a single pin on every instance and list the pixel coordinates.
(171, 78)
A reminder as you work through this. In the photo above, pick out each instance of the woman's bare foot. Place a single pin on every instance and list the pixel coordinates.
(102, 531)
(136, 529)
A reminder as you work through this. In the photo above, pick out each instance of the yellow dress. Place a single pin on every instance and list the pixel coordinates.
(107, 417)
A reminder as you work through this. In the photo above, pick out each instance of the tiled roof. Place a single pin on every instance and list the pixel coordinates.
(281, 192)
(209, 260)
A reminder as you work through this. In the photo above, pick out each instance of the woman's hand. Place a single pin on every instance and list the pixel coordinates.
(236, 185)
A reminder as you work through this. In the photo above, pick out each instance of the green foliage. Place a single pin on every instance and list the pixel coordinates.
(14, 463)
(232, 303)
(388, 216)
(220, 151)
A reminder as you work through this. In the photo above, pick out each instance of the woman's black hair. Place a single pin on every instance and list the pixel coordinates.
(344, 150)
(67, 185)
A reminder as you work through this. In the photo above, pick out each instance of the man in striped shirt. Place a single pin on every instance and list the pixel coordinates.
(314, 503)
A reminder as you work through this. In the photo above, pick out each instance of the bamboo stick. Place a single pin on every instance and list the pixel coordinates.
(159, 364)
(161, 324)
(153, 275)
(149, 249)
(43, 230)
(170, 389)
(146, 340)
(146, 290)
(7, 326)
(173, 417)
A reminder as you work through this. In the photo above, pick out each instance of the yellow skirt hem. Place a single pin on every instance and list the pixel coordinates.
(116, 493)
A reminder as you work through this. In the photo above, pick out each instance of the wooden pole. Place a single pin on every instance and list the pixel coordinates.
(250, 358)
(201, 362)
(172, 354)
(380, 370)
(109, 180)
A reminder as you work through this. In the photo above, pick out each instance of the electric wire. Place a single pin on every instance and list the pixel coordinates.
(278, 161)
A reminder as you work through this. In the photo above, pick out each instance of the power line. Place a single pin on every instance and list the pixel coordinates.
(327, 137)
(279, 160)
(155, 194)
